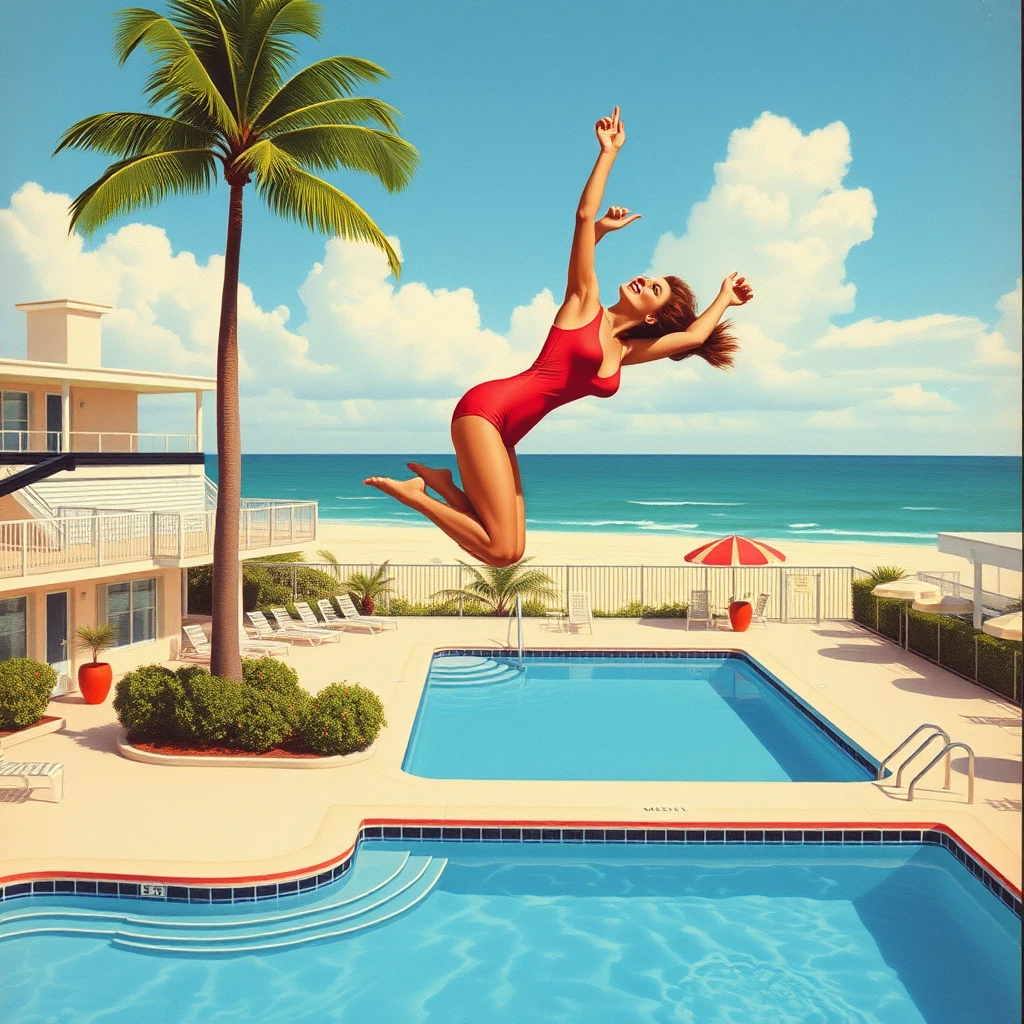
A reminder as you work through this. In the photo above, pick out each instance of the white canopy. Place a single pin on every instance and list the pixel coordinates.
(1006, 627)
(999, 549)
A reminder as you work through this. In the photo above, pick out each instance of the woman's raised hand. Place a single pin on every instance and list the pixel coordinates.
(616, 217)
(611, 132)
(736, 289)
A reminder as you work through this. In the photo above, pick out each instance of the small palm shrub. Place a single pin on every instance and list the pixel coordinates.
(96, 639)
(366, 589)
(886, 574)
(498, 587)
(25, 688)
(342, 719)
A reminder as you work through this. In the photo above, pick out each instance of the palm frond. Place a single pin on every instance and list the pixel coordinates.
(320, 206)
(204, 24)
(325, 80)
(347, 110)
(130, 134)
(179, 69)
(142, 181)
(326, 147)
(268, 52)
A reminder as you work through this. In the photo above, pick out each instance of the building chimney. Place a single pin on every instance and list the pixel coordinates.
(64, 331)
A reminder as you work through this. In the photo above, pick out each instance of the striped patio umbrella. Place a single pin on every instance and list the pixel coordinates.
(735, 551)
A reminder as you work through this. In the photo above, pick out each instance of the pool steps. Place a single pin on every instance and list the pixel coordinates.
(381, 885)
(466, 670)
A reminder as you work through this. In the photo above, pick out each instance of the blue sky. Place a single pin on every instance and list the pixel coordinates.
(500, 103)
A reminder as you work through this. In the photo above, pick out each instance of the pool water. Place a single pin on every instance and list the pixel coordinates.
(521, 933)
(715, 719)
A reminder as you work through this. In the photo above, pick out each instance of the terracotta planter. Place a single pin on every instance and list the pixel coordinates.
(94, 681)
(740, 614)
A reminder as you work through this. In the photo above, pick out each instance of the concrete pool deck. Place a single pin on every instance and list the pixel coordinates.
(122, 817)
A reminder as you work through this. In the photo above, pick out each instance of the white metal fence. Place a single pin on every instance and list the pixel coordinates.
(69, 541)
(794, 593)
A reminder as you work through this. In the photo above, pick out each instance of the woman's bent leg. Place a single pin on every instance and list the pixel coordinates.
(491, 534)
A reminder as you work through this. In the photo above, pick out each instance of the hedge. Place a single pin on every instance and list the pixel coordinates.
(25, 688)
(636, 610)
(263, 587)
(949, 640)
(267, 709)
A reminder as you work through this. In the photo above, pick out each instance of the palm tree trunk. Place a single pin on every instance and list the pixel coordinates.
(226, 659)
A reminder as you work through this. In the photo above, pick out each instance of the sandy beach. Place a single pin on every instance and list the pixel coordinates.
(425, 545)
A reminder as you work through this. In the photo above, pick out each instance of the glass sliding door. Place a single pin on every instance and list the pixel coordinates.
(13, 628)
(57, 653)
(131, 610)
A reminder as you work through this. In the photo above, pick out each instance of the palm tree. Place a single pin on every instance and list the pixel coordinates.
(369, 588)
(219, 80)
(498, 587)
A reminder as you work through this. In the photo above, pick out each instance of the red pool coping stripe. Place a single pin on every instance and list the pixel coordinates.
(233, 880)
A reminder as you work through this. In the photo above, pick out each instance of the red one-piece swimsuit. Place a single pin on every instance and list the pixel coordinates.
(566, 369)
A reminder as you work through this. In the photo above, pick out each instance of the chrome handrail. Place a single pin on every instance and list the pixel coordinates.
(888, 757)
(903, 764)
(935, 760)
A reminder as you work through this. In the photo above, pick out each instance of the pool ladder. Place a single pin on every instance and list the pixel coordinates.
(934, 732)
(519, 630)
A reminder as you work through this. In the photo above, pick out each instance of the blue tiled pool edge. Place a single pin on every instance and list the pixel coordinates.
(504, 832)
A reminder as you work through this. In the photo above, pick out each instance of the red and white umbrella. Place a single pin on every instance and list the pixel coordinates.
(735, 551)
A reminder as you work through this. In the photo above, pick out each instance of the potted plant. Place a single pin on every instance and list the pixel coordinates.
(740, 613)
(94, 677)
(365, 590)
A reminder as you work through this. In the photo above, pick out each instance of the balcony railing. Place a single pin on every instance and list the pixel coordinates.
(95, 441)
(33, 546)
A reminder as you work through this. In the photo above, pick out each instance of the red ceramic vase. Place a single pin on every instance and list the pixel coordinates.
(94, 681)
(740, 614)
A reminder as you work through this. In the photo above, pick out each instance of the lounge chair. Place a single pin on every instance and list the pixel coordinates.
(758, 613)
(197, 647)
(332, 620)
(309, 618)
(265, 631)
(699, 609)
(348, 609)
(580, 613)
(51, 771)
(285, 623)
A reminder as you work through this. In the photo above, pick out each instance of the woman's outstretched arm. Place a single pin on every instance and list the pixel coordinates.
(582, 280)
(735, 291)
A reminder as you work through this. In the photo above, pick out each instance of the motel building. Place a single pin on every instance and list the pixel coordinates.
(99, 522)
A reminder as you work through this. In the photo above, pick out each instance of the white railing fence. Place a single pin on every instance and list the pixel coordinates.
(68, 541)
(95, 441)
(794, 594)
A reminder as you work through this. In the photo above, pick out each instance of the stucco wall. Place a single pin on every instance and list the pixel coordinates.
(103, 410)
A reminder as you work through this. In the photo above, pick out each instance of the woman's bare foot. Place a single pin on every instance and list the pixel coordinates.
(442, 481)
(406, 491)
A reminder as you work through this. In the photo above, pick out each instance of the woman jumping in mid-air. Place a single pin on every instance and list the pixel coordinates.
(654, 318)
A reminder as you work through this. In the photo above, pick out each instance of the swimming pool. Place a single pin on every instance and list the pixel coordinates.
(528, 932)
(693, 716)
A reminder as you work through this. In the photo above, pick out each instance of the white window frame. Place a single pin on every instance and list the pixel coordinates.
(25, 600)
(23, 443)
(131, 610)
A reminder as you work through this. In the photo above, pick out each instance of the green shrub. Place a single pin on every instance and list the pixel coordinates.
(262, 721)
(25, 688)
(636, 610)
(145, 701)
(343, 718)
(281, 685)
(399, 606)
(886, 574)
(208, 713)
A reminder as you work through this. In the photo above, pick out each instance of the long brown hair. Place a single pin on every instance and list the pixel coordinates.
(677, 315)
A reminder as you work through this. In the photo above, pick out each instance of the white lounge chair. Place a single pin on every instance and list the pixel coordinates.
(349, 610)
(334, 622)
(198, 646)
(265, 631)
(699, 609)
(580, 614)
(758, 613)
(50, 771)
(309, 618)
(285, 623)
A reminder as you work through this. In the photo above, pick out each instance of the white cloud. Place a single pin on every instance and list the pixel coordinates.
(914, 400)
(1001, 347)
(876, 333)
(839, 419)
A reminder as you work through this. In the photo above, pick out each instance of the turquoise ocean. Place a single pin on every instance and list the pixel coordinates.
(848, 498)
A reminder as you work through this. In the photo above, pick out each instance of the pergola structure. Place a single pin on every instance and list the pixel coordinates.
(1002, 550)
